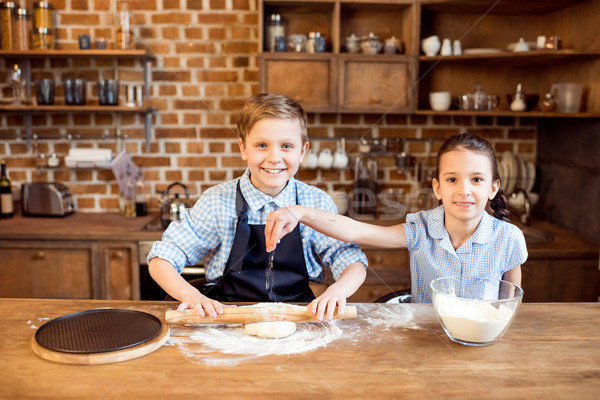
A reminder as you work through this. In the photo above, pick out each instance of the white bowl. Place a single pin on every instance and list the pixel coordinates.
(440, 101)
(475, 311)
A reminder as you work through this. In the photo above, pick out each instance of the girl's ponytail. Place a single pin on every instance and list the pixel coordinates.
(499, 206)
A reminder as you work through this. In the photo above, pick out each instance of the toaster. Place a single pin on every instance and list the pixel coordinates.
(48, 199)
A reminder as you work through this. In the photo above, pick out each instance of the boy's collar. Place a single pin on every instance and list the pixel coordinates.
(257, 199)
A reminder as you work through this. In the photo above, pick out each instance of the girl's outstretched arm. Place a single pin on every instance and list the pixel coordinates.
(284, 220)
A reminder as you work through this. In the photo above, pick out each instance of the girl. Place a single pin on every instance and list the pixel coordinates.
(458, 237)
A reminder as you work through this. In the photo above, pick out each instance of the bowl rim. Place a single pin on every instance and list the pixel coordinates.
(518, 296)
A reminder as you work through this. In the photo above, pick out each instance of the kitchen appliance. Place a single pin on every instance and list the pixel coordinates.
(47, 199)
(171, 204)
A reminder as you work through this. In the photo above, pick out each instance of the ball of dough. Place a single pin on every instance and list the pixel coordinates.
(271, 330)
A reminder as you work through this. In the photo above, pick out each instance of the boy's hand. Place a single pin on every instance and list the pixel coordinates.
(279, 224)
(325, 304)
(202, 304)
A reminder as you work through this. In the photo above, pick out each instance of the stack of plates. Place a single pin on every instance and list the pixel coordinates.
(516, 173)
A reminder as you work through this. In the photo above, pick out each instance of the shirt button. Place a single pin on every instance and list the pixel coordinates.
(272, 204)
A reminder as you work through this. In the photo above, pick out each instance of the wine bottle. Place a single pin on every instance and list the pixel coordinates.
(6, 199)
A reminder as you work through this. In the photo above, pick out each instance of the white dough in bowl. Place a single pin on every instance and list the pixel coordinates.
(271, 330)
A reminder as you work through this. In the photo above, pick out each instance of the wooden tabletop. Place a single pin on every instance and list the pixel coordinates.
(389, 351)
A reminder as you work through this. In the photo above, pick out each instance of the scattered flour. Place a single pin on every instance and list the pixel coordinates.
(228, 345)
(40, 320)
(472, 321)
(221, 340)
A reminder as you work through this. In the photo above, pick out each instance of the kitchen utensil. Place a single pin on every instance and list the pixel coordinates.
(44, 91)
(99, 336)
(252, 314)
(108, 92)
(431, 45)
(75, 91)
(325, 160)
(478, 100)
(172, 207)
(310, 159)
(446, 47)
(457, 48)
(440, 101)
(475, 311)
(518, 101)
(371, 44)
(46, 199)
(340, 158)
(530, 100)
(568, 96)
(352, 43)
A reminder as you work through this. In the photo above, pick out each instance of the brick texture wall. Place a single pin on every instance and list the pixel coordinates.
(205, 68)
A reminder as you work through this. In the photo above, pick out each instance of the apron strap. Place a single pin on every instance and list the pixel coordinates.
(240, 241)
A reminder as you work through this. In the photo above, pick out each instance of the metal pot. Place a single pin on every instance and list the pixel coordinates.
(172, 206)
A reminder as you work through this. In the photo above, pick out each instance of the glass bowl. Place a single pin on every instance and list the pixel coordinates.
(475, 311)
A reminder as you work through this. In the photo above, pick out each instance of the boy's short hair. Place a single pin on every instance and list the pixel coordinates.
(270, 105)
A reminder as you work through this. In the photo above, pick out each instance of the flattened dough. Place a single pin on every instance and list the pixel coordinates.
(271, 330)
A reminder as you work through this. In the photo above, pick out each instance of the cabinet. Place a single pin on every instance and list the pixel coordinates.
(336, 81)
(24, 59)
(69, 269)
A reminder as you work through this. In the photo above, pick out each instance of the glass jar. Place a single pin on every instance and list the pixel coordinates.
(297, 43)
(43, 39)
(20, 30)
(6, 9)
(275, 29)
(43, 15)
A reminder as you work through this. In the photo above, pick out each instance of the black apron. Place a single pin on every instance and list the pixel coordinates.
(248, 276)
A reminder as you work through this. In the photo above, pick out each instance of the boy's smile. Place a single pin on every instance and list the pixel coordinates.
(273, 151)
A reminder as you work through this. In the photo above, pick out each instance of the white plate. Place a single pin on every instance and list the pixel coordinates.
(481, 51)
(530, 176)
(511, 170)
(522, 179)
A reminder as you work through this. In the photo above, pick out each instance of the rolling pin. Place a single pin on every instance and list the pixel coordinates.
(252, 314)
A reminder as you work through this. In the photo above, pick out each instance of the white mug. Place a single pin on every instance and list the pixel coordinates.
(325, 160)
(310, 159)
(340, 159)
(440, 101)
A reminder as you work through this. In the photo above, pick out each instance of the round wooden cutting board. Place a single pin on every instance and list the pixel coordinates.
(99, 336)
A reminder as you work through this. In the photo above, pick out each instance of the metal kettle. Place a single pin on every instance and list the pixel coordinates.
(172, 206)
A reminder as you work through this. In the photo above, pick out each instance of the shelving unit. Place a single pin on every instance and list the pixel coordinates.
(400, 84)
(25, 58)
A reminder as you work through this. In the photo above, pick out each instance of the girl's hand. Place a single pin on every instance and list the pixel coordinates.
(202, 304)
(325, 304)
(279, 224)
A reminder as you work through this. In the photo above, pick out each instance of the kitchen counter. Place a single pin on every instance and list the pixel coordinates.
(389, 351)
(108, 226)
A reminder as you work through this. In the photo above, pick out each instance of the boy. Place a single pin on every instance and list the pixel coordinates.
(226, 226)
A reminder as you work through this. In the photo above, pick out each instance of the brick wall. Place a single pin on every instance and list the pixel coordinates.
(206, 67)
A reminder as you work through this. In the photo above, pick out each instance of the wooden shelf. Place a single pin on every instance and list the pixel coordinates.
(507, 113)
(109, 53)
(84, 108)
(501, 7)
(532, 57)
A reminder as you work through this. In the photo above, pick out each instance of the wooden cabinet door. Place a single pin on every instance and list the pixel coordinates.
(306, 79)
(376, 84)
(120, 271)
(49, 270)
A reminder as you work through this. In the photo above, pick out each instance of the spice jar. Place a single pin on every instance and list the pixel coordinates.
(43, 15)
(6, 9)
(20, 30)
(43, 39)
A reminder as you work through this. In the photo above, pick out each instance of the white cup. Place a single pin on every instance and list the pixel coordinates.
(446, 47)
(440, 101)
(431, 45)
(340, 159)
(310, 159)
(325, 160)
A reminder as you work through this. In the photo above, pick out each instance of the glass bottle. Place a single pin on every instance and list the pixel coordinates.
(128, 194)
(6, 199)
(124, 37)
(275, 29)
(141, 202)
